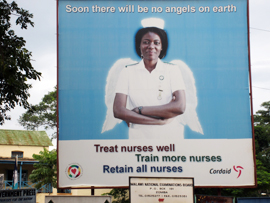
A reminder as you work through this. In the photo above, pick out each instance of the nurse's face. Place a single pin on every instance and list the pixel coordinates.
(151, 46)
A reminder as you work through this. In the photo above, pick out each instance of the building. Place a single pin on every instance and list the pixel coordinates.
(23, 144)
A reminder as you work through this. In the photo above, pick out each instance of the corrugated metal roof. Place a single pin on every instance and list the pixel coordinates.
(24, 138)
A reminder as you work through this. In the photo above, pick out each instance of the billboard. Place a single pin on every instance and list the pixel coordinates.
(203, 70)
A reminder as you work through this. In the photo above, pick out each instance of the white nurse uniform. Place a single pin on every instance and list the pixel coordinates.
(151, 89)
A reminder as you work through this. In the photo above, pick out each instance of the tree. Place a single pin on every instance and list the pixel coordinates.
(15, 65)
(262, 135)
(45, 171)
(262, 117)
(262, 142)
(119, 195)
(42, 114)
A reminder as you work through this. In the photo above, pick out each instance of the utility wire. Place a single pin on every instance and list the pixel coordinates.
(264, 31)
(262, 88)
(260, 29)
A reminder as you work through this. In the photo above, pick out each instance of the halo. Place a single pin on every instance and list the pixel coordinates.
(153, 22)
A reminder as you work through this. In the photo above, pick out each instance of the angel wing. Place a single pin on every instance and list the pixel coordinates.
(112, 79)
(190, 116)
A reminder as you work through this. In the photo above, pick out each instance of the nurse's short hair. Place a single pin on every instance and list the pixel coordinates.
(161, 33)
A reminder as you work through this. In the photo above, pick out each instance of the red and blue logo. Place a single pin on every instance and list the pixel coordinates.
(74, 171)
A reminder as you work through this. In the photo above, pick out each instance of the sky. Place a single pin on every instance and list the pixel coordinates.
(41, 41)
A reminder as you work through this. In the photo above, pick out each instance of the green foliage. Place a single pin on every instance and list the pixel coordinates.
(119, 195)
(31, 120)
(263, 177)
(15, 65)
(43, 114)
(45, 171)
(262, 117)
(262, 136)
(262, 142)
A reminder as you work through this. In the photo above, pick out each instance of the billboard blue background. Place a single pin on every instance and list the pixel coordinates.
(213, 45)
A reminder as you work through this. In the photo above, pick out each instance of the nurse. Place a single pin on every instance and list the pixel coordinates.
(154, 90)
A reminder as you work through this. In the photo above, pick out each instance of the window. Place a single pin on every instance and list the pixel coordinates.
(24, 175)
(15, 153)
(63, 190)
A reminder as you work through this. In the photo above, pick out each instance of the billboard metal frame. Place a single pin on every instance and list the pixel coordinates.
(107, 187)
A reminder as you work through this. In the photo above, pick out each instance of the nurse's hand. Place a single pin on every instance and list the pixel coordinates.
(136, 110)
(128, 124)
